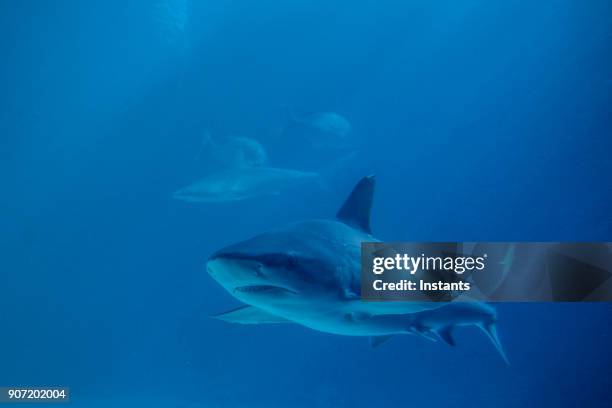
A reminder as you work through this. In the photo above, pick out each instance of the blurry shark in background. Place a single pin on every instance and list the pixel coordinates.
(309, 273)
(242, 183)
(245, 182)
(232, 152)
(172, 18)
(322, 129)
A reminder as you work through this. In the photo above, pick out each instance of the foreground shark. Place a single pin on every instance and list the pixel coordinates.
(309, 273)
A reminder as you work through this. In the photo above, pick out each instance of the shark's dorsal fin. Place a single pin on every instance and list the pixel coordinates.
(356, 209)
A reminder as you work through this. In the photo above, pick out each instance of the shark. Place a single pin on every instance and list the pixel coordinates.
(308, 273)
(237, 184)
(322, 129)
(232, 151)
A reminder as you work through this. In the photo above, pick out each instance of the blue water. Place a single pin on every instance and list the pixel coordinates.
(482, 121)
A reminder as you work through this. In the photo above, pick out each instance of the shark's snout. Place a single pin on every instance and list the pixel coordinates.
(232, 272)
(221, 266)
(246, 277)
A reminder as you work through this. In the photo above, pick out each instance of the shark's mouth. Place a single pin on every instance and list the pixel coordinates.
(263, 289)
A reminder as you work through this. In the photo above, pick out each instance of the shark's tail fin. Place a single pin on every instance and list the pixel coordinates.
(445, 319)
(491, 331)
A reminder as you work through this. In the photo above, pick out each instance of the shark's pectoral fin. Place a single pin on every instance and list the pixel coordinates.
(249, 315)
(446, 334)
(356, 209)
(376, 341)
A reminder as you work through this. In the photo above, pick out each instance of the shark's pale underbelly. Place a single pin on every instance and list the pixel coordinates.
(352, 318)
(355, 324)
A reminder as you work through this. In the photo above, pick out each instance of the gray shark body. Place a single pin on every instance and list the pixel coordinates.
(309, 273)
(232, 152)
(322, 129)
(328, 122)
(237, 184)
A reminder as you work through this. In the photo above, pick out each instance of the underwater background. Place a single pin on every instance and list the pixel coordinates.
(483, 121)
